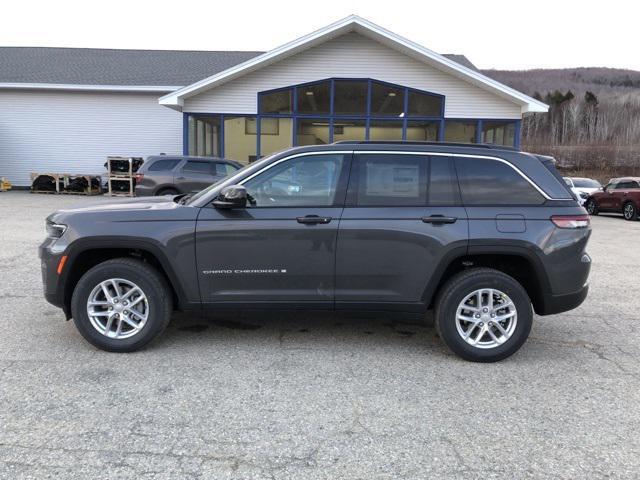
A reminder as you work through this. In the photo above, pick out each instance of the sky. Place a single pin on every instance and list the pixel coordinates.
(513, 35)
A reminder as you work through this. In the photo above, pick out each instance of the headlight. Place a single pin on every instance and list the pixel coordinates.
(55, 230)
(584, 195)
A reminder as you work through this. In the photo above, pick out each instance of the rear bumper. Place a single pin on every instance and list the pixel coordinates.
(562, 303)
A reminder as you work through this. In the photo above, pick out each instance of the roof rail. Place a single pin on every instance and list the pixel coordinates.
(413, 142)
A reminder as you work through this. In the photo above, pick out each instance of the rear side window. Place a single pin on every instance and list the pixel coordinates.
(392, 180)
(197, 166)
(224, 169)
(490, 182)
(163, 165)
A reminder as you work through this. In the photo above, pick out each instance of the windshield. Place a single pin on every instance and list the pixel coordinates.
(229, 179)
(586, 183)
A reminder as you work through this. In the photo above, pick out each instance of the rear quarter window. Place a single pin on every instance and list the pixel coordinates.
(491, 182)
(163, 165)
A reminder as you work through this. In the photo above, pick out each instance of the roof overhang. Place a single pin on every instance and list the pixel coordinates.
(89, 88)
(353, 23)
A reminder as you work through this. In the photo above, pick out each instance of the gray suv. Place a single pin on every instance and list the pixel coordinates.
(172, 175)
(482, 235)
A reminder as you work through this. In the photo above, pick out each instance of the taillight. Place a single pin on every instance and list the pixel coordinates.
(138, 177)
(570, 221)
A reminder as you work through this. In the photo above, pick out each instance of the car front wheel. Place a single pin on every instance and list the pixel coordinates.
(121, 305)
(483, 315)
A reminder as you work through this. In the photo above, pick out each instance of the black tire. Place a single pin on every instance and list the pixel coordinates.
(168, 191)
(630, 212)
(148, 279)
(591, 206)
(463, 284)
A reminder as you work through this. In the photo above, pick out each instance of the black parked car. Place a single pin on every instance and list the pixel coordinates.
(172, 175)
(482, 235)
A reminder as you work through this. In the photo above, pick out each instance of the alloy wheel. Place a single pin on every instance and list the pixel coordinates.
(628, 211)
(117, 308)
(486, 318)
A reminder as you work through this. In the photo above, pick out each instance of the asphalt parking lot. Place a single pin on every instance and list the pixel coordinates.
(316, 396)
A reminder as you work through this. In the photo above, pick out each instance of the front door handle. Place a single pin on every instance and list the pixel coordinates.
(439, 219)
(313, 219)
(180, 178)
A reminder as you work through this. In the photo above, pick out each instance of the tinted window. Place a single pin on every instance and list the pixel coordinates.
(586, 183)
(391, 180)
(490, 182)
(302, 181)
(224, 169)
(442, 182)
(163, 165)
(197, 167)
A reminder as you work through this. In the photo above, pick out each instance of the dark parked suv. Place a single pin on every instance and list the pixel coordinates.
(172, 175)
(485, 236)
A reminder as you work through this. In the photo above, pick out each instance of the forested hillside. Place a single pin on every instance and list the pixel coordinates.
(594, 119)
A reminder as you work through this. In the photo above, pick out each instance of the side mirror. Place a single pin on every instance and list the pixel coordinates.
(233, 196)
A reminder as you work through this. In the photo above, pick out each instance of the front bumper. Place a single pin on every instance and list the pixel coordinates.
(51, 281)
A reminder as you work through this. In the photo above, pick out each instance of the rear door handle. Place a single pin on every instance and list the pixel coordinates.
(313, 219)
(439, 219)
(180, 178)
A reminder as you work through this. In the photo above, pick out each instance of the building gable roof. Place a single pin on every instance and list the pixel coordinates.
(155, 70)
(354, 23)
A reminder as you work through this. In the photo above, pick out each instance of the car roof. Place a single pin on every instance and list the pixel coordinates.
(191, 157)
(625, 179)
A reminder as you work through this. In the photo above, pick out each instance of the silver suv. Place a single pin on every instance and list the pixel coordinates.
(172, 175)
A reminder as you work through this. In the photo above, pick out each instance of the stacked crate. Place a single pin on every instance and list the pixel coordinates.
(66, 183)
(4, 184)
(120, 175)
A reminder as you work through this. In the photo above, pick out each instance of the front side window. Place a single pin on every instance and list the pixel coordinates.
(391, 180)
(491, 182)
(309, 181)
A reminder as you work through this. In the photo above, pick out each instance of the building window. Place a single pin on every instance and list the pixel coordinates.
(279, 102)
(238, 144)
(350, 97)
(385, 130)
(423, 130)
(424, 105)
(314, 98)
(460, 131)
(387, 100)
(344, 129)
(271, 142)
(312, 131)
(204, 135)
(499, 133)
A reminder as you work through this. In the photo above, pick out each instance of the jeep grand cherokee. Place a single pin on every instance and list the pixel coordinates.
(483, 235)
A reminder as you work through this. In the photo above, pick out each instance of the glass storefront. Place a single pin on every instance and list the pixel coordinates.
(332, 110)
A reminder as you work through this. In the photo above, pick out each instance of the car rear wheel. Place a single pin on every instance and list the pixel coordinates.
(592, 207)
(630, 211)
(483, 315)
(121, 305)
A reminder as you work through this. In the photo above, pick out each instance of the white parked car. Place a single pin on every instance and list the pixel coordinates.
(582, 187)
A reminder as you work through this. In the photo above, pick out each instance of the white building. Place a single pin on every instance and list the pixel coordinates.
(65, 110)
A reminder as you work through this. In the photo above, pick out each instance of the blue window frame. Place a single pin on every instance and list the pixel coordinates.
(384, 102)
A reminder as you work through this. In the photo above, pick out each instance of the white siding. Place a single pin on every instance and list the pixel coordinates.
(73, 132)
(354, 55)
